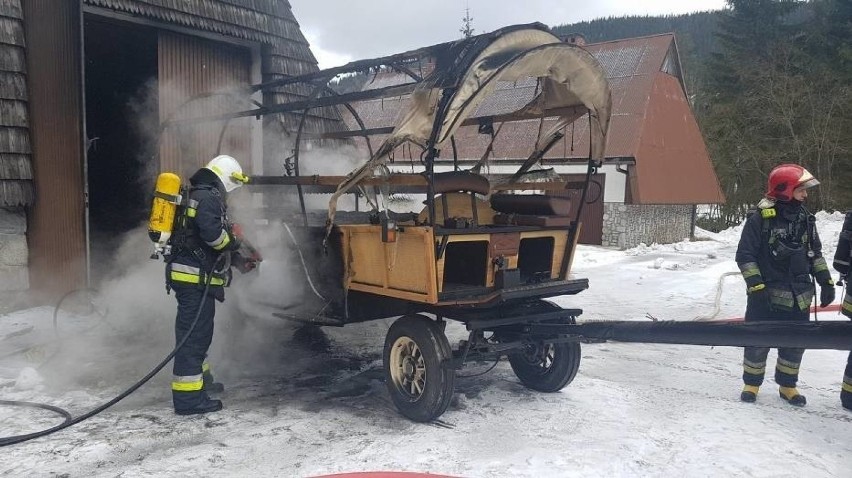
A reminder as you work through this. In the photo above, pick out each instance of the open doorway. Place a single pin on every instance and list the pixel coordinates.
(121, 119)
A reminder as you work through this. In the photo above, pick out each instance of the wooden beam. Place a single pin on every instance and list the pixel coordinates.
(571, 111)
(389, 91)
(398, 183)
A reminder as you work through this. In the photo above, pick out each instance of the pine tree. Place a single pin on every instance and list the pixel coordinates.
(777, 97)
(467, 24)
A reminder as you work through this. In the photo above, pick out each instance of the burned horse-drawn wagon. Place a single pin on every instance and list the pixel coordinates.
(481, 252)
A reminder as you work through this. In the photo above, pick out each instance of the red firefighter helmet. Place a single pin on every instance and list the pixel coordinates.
(785, 178)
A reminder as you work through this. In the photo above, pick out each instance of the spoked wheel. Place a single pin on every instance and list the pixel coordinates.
(419, 384)
(546, 367)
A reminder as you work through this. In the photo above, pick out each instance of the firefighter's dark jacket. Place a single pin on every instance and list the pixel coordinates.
(779, 251)
(843, 253)
(841, 263)
(203, 234)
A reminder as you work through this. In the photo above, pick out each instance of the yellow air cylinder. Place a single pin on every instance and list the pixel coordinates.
(166, 199)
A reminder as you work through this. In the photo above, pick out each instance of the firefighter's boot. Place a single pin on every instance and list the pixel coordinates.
(792, 396)
(195, 403)
(749, 394)
(213, 387)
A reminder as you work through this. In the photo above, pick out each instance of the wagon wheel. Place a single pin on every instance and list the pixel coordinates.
(414, 357)
(545, 366)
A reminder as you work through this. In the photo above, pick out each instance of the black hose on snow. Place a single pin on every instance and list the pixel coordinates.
(13, 440)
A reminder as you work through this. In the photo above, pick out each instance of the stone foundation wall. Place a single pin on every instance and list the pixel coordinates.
(14, 252)
(628, 225)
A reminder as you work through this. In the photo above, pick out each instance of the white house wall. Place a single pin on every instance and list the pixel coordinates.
(613, 191)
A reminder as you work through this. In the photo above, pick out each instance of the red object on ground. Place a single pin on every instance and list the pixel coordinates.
(384, 474)
(828, 308)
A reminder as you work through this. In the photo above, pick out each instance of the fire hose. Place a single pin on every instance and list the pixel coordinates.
(69, 421)
(717, 302)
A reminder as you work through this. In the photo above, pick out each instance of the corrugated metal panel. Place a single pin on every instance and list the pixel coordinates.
(56, 221)
(673, 168)
(190, 66)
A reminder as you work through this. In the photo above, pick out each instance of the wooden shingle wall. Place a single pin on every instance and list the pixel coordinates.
(16, 188)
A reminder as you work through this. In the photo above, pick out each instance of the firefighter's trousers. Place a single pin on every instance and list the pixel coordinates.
(190, 368)
(754, 358)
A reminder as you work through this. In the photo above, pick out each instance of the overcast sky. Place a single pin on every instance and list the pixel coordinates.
(344, 30)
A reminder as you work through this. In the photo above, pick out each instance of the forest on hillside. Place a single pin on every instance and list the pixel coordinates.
(770, 82)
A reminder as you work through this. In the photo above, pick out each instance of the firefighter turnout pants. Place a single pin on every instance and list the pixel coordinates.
(786, 367)
(754, 358)
(191, 370)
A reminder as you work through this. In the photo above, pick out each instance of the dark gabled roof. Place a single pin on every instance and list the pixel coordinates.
(16, 188)
(263, 21)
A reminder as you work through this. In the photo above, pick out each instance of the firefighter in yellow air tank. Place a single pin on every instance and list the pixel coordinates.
(167, 197)
(200, 245)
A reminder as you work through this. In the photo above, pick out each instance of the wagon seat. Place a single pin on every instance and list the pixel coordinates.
(531, 210)
(456, 201)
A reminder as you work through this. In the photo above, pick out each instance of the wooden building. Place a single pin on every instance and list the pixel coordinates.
(84, 85)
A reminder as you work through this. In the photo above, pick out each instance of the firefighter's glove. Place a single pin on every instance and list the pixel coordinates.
(243, 264)
(237, 231)
(237, 235)
(826, 294)
(759, 293)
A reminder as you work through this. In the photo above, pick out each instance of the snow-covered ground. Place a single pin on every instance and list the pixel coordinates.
(633, 409)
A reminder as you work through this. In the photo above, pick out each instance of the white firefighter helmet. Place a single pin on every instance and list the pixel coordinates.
(228, 170)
